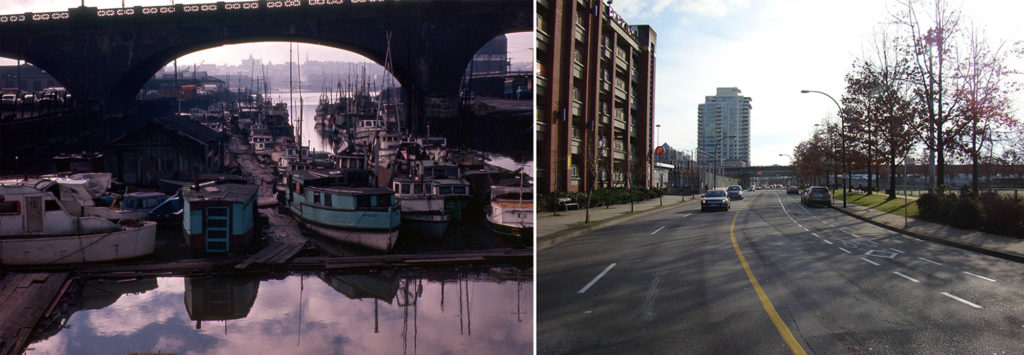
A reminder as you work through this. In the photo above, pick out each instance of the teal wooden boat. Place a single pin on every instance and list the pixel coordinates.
(343, 204)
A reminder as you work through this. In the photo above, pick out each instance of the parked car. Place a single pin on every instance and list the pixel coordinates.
(8, 100)
(714, 199)
(817, 195)
(752, 188)
(792, 190)
(735, 192)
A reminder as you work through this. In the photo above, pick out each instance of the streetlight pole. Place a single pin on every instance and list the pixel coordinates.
(657, 141)
(842, 120)
(792, 169)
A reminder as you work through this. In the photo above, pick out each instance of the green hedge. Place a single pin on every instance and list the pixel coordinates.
(599, 198)
(987, 211)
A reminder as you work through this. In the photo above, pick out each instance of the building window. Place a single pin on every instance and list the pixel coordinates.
(574, 171)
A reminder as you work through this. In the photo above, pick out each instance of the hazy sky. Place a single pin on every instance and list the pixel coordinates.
(771, 49)
(520, 44)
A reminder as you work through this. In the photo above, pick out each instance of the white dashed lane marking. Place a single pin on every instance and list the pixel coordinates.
(961, 300)
(980, 277)
(906, 277)
(598, 277)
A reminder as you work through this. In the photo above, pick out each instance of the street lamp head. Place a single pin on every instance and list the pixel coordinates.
(804, 91)
(657, 125)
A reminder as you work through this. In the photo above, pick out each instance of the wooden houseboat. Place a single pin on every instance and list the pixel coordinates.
(219, 218)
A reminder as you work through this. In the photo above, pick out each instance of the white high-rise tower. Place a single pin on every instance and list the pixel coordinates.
(723, 129)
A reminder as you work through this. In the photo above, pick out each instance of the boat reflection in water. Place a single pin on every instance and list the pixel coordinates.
(384, 312)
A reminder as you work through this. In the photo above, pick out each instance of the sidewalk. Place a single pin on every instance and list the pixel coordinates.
(1000, 246)
(566, 225)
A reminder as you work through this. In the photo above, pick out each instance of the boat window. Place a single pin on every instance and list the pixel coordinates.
(405, 188)
(382, 200)
(428, 172)
(396, 187)
(327, 200)
(10, 208)
(316, 197)
(149, 203)
(445, 190)
(363, 201)
(459, 189)
(453, 171)
(419, 188)
(51, 205)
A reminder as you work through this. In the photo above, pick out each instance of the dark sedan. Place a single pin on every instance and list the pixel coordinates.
(817, 195)
(714, 199)
(792, 190)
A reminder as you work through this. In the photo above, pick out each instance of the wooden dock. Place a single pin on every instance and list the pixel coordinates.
(25, 298)
(275, 253)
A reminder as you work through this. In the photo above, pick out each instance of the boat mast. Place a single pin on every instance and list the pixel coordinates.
(291, 90)
(299, 66)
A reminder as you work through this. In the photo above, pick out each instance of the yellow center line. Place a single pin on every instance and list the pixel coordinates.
(780, 325)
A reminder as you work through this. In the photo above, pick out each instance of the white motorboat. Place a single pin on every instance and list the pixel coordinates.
(36, 229)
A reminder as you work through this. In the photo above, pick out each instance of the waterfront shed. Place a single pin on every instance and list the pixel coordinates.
(172, 148)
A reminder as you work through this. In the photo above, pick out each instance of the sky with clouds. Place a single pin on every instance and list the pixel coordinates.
(770, 50)
(520, 44)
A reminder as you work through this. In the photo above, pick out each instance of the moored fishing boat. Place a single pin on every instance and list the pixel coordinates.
(343, 204)
(511, 208)
(35, 229)
(423, 209)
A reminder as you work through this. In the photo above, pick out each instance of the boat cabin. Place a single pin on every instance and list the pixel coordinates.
(220, 218)
(27, 211)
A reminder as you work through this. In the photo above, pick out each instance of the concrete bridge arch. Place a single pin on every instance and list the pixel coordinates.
(104, 56)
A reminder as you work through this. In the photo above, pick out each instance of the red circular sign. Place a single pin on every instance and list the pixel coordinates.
(659, 151)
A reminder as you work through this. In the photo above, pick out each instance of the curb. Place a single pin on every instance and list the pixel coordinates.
(572, 232)
(995, 253)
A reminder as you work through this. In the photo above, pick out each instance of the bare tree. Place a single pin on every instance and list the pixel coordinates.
(930, 49)
(985, 90)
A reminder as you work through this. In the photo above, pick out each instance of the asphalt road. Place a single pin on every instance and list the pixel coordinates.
(672, 282)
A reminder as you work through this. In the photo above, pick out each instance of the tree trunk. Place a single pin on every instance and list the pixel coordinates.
(974, 158)
(892, 173)
(940, 151)
(870, 160)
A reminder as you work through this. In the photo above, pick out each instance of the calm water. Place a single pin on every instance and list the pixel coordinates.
(378, 313)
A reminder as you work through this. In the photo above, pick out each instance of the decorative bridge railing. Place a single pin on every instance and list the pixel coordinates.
(186, 8)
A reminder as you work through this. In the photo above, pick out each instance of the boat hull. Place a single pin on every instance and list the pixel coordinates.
(518, 230)
(132, 242)
(376, 240)
(432, 224)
